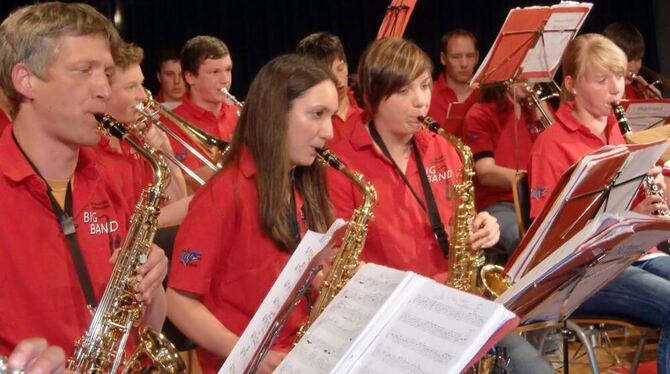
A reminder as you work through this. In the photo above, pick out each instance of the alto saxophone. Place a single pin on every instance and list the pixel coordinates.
(347, 258)
(101, 348)
(464, 263)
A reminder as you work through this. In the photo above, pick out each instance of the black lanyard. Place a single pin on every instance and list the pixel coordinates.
(293, 215)
(66, 222)
(432, 211)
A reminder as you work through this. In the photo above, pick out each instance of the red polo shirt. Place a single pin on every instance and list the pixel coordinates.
(352, 118)
(442, 98)
(400, 236)
(631, 93)
(221, 127)
(40, 293)
(129, 170)
(222, 255)
(492, 131)
(559, 147)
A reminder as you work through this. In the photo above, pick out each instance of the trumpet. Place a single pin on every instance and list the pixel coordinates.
(211, 150)
(232, 99)
(647, 89)
(535, 100)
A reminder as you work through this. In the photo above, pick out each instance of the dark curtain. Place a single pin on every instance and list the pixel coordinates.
(257, 30)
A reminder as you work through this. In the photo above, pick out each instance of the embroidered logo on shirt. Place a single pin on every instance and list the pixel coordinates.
(190, 258)
(472, 137)
(180, 155)
(438, 173)
(100, 224)
(538, 192)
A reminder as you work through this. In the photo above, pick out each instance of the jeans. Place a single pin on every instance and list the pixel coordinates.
(641, 293)
(503, 211)
(523, 357)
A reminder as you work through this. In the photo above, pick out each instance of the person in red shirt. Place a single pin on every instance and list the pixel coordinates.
(207, 68)
(459, 56)
(56, 59)
(395, 154)
(630, 40)
(243, 225)
(118, 157)
(594, 70)
(500, 143)
(327, 49)
(169, 76)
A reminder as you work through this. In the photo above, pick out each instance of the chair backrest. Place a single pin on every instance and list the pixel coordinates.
(521, 193)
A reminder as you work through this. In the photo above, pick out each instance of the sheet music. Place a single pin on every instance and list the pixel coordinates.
(343, 320)
(645, 113)
(390, 321)
(594, 240)
(439, 331)
(586, 164)
(638, 163)
(309, 247)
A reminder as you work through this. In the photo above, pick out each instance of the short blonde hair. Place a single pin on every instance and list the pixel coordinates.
(591, 51)
(386, 66)
(30, 35)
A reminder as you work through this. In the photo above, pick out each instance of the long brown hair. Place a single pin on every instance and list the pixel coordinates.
(262, 129)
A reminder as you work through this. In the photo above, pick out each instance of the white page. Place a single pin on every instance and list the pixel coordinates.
(309, 247)
(439, 331)
(642, 114)
(520, 266)
(343, 321)
(637, 164)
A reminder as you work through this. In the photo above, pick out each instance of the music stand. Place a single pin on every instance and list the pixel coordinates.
(530, 44)
(396, 19)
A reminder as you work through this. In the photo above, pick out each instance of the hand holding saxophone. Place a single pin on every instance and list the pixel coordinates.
(34, 355)
(151, 274)
(484, 232)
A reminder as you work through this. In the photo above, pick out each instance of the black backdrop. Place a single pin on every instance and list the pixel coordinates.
(257, 30)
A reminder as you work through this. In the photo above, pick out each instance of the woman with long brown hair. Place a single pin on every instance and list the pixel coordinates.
(244, 224)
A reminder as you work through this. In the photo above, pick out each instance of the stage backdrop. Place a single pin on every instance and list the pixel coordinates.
(257, 30)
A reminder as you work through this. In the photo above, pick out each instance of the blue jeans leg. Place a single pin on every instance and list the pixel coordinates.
(503, 211)
(523, 357)
(641, 293)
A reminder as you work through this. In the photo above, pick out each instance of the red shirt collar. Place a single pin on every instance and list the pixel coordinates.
(565, 115)
(361, 138)
(16, 167)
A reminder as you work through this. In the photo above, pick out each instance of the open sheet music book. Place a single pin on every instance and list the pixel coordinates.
(531, 42)
(312, 250)
(584, 264)
(391, 321)
(605, 181)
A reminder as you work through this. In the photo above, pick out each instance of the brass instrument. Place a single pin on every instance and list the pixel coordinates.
(347, 258)
(232, 99)
(647, 89)
(211, 150)
(466, 267)
(101, 348)
(535, 100)
(464, 264)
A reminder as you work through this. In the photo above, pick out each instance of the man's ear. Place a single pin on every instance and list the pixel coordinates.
(443, 58)
(23, 79)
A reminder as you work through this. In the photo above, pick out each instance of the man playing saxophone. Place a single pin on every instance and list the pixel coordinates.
(55, 61)
(413, 171)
